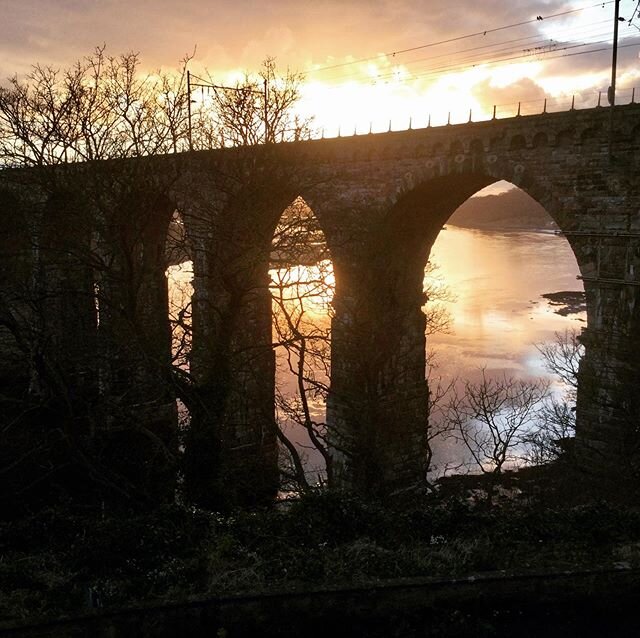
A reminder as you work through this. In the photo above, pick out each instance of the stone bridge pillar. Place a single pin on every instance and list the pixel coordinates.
(231, 444)
(608, 406)
(378, 406)
(138, 420)
(601, 219)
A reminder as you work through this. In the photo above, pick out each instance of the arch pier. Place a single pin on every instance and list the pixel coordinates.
(380, 201)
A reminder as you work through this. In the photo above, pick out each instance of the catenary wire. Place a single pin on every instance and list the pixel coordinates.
(462, 37)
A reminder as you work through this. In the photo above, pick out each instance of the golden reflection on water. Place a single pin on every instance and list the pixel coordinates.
(306, 290)
(496, 279)
(496, 310)
(498, 313)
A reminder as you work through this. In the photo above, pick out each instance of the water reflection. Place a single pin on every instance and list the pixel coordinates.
(497, 313)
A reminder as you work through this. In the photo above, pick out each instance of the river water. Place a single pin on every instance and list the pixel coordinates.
(496, 314)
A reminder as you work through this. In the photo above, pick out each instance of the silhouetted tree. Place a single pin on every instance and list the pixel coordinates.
(494, 420)
(302, 287)
(93, 392)
(556, 431)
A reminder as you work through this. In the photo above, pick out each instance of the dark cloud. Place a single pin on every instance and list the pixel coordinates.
(300, 33)
(163, 30)
(597, 62)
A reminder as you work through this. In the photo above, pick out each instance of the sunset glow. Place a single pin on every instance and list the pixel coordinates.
(361, 75)
(256, 380)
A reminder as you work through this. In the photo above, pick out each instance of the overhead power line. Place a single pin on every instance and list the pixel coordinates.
(462, 37)
(494, 52)
(447, 69)
(443, 70)
(501, 55)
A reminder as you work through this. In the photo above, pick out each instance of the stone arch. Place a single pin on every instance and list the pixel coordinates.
(302, 288)
(231, 444)
(105, 321)
(565, 138)
(451, 190)
(517, 143)
(476, 147)
(404, 241)
(540, 140)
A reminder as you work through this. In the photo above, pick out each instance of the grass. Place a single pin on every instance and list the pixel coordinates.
(50, 561)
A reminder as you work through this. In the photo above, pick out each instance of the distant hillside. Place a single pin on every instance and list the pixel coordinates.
(511, 210)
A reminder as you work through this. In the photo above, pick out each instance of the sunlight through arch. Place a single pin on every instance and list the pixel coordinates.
(514, 285)
(302, 285)
(179, 275)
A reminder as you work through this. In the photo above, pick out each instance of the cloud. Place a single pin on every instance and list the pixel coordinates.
(522, 90)
(305, 34)
(62, 30)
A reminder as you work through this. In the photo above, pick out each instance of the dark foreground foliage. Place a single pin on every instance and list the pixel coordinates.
(60, 562)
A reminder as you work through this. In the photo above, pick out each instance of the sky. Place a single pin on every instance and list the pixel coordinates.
(376, 85)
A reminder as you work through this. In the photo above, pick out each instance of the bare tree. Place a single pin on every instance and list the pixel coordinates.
(256, 110)
(562, 358)
(103, 107)
(302, 287)
(92, 236)
(440, 426)
(494, 419)
(436, 294)
(558, 420)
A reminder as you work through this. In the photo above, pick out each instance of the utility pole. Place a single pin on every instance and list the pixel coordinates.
(266, 111)
(189, 109)
(204, 84)
(611, 93)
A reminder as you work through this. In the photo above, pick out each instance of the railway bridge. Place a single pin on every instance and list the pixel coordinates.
(88, 242)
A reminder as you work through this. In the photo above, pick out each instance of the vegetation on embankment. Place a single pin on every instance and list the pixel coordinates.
(60, 562)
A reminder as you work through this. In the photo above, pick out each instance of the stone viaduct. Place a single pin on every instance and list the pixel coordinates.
(381, 201)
